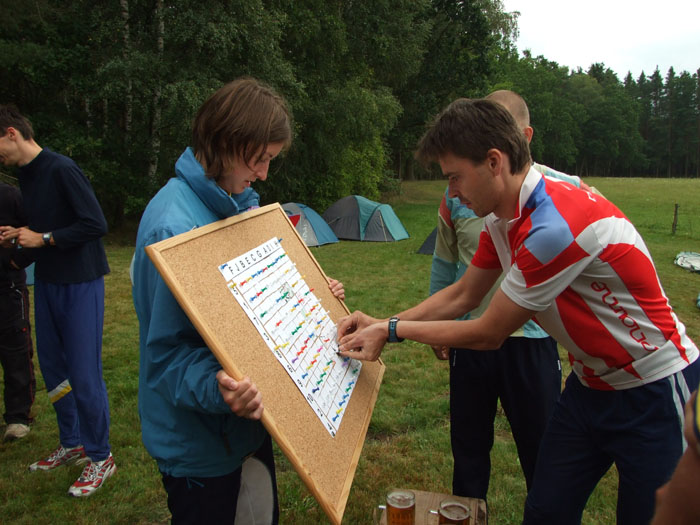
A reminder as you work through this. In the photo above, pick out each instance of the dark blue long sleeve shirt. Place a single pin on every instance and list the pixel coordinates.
(58, 198)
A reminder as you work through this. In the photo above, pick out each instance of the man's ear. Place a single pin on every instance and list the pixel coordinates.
(494, 160)
(529, 132)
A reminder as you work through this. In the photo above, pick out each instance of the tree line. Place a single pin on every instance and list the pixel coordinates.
(591, 123)
(116, 84)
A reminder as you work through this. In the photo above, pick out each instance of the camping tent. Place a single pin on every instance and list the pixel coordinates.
(311, 227)
(428, 246)
(360, 219)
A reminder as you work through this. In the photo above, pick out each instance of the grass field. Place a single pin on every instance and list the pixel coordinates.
(408, 440)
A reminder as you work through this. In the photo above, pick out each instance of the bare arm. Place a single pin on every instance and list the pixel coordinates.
(501, 318)
(455, 300)
(488, 332)
(449, 303)
(431, 321)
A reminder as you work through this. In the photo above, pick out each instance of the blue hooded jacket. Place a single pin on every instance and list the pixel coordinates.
(185, 424)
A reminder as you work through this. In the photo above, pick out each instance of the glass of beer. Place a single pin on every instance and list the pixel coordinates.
(400, 508)
(452, 512)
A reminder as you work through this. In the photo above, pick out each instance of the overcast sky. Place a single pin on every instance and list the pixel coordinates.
(625, 35)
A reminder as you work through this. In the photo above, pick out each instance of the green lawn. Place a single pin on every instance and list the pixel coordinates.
(408, 440)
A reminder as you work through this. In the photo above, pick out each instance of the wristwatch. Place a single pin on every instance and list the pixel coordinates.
(46, 238)
(393, 338)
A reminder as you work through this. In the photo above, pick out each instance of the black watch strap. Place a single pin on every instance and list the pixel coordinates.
(46, 238)
(393, 338)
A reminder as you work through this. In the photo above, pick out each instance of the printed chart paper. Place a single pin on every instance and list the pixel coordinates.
(296, 328)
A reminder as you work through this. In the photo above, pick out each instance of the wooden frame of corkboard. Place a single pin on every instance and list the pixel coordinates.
(189, 265)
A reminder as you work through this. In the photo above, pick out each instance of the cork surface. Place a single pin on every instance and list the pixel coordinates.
(189, 265)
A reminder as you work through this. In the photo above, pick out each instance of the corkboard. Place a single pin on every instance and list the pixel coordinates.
(189, 264)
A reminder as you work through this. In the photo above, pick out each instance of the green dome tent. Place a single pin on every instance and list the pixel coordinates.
(359, 219)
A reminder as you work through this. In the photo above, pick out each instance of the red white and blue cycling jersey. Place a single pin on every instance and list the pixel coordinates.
(575, 258)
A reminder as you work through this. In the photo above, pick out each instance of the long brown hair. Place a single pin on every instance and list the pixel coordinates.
(239, 119)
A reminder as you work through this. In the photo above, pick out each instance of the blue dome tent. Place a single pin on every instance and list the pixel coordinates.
(309, 224)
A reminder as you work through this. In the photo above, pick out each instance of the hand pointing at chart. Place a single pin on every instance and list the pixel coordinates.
(361, 336)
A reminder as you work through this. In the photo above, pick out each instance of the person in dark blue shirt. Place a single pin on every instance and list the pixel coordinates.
(65, 224)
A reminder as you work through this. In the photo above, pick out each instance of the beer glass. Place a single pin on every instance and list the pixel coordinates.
(452, 512)
(400, 508)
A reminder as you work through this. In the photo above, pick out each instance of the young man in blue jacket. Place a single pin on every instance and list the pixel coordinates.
(198, 423)
(66, 225)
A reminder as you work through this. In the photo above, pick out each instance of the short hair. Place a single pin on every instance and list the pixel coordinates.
(469, 128)
(240, 118)
(513, 103)
(10, 117)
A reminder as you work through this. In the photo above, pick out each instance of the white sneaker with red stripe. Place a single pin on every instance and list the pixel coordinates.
(93, 477)
(60, 456)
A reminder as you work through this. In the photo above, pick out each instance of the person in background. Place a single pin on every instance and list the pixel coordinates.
(524, 373)
(574, 262)
(65, 224)
(200, 425)
(16, 350)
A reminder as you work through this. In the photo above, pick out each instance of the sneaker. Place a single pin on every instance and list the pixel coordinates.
(16, 431)
(60, 456)
(93, 477)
